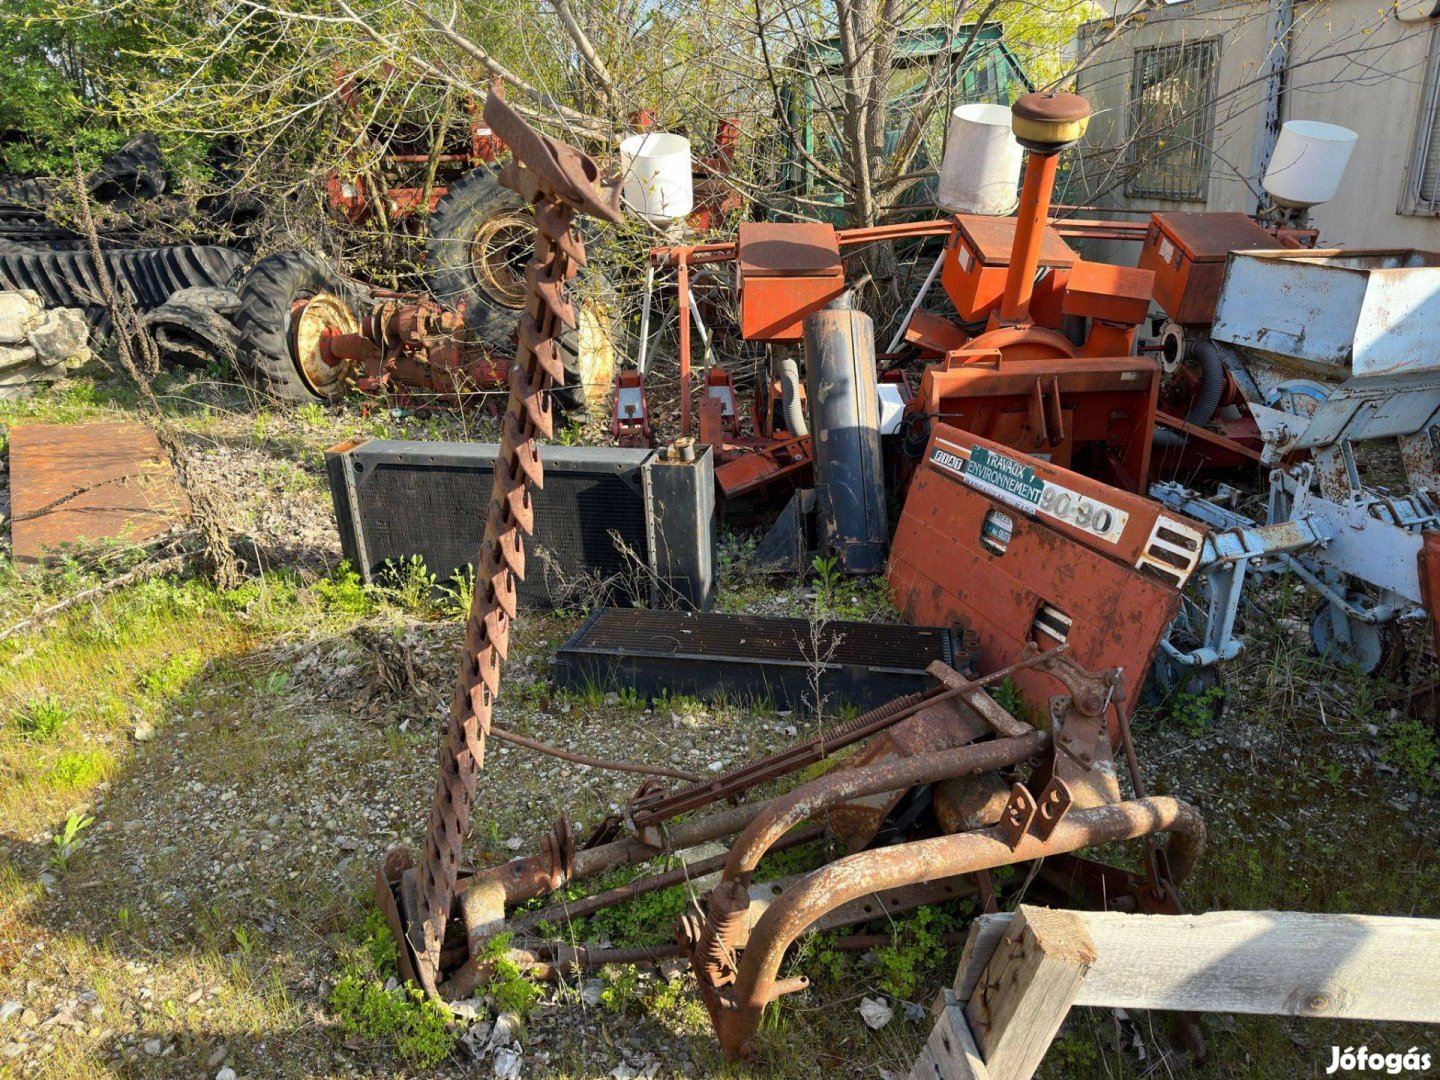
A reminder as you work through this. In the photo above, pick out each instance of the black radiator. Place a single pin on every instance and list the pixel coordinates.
(747, 659)
(612, 526)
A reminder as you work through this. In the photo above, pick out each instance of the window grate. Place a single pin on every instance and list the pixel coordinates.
(1423, 196)
(1172, 116)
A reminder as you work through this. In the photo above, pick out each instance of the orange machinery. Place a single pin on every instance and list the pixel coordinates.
(1019, 553)
(1041, 357)
(1005, 369)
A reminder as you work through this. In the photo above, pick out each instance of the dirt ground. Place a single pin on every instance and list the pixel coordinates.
(247, 756)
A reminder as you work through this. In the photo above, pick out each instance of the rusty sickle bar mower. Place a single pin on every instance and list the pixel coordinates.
(941, 789)
(561, 182)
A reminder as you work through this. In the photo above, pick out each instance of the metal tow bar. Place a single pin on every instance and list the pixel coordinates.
(560, 182)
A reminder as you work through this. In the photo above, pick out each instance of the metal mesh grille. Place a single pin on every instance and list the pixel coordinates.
(1172, 110)
(439, 514)
(748, 637)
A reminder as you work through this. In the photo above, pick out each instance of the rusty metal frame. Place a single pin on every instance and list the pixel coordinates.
(737, 1005)
(561, 182)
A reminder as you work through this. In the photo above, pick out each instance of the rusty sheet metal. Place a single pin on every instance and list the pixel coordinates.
(991, 240)
(73, 482)
(1020, 562)
(787, 271)
(1187, 252)
(856, 822)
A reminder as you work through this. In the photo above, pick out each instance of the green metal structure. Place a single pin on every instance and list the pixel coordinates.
(982, 69)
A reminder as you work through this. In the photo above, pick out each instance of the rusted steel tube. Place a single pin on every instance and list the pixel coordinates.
(587, 905)
(1030, 222)
(530, 877)
(787, 811)
(924, 860)
(683, 288)
(682, 834)
(594, 762)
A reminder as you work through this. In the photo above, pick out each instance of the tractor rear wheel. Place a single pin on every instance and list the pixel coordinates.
(481, 236)
(289, 303)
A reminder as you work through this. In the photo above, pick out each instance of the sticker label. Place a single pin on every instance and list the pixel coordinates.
(1167, 249)
(1015, 484)
(995, 531)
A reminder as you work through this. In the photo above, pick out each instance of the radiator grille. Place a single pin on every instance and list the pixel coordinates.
(439, 513)
(746, 658)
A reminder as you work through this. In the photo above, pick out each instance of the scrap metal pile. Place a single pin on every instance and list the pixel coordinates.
(943, 786)
(1034, 437)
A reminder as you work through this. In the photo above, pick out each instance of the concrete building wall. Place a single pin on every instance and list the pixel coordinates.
(1349, 64)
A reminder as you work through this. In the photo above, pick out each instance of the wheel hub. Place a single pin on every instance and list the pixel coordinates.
(498, 253)
(314, 320)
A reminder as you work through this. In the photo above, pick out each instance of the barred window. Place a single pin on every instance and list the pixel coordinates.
(1422, 195)
(1172, 116)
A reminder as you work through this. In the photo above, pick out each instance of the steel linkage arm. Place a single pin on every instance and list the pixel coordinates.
(560, 182)
(736, 1009)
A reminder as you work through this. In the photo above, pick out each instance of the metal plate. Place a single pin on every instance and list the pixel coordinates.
(125, 484)
(1211, 237)
(1334, 313)
(1381, 554)
(771, 249)
(991, 239)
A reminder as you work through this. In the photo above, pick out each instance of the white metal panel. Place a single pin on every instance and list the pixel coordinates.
(1334, 312)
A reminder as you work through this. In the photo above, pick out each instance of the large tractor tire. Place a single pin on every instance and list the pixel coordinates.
(481, 236)
(289, 302)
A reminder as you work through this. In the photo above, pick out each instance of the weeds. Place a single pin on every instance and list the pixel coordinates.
(77, 769)
(620, 987)
(915, 952)
(828, 577)
(344, 592)
(1194, 712)
(1413, 749)
(508, 986)
(416, 1026)
(41, 718)
(411, 586)
(244, 940)
(402, 1016)
(68, 841)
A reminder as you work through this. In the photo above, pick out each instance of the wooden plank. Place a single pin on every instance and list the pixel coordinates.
(89, 482)
(1027, 989)
(986, 932)
(950, 1053)
(1359, 967)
